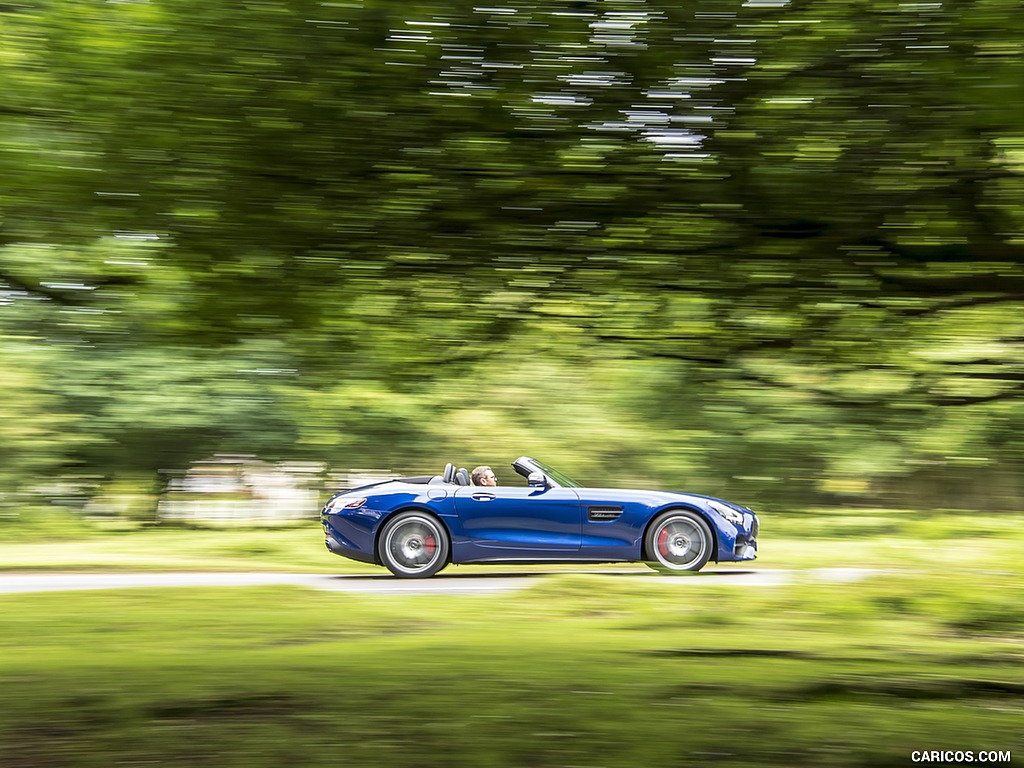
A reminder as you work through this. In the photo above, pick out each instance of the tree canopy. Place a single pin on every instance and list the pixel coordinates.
(769, 247)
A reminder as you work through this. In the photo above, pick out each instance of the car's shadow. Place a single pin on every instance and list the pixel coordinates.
(537, 574)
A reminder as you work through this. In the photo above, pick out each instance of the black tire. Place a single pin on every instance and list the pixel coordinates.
(413, 545)
(678, 541)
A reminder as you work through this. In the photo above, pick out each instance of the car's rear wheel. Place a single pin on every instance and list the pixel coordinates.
(413, 545)
(678, 541)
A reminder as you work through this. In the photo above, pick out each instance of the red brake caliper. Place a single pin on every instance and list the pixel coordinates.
(663, 542)
(430, 543)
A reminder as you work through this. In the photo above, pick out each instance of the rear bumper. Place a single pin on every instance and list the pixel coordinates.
(338, 548)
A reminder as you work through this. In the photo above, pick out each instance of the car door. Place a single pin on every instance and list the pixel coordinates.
(521, 519)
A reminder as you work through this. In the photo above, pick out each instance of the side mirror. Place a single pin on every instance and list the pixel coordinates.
(538, 480)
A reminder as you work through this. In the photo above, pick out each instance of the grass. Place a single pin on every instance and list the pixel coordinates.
(174, 549)
(577, 670)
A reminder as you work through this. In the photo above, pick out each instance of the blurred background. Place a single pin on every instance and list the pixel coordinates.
(768, 250)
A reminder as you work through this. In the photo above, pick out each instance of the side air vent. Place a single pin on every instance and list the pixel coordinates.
(603, 514)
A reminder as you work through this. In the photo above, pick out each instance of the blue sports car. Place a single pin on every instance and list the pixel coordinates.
(415, 526)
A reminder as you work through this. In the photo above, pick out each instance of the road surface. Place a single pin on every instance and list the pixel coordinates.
(450, 582)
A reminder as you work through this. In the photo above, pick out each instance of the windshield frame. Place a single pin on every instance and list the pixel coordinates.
(525, 464)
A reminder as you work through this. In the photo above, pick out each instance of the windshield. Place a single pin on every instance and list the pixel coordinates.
(562, 479)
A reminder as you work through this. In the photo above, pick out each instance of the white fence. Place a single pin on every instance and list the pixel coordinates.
(240, 489)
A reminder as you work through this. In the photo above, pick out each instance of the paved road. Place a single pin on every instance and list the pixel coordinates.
(446, 583)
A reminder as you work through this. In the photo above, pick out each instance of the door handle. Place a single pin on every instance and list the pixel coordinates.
(483, 497)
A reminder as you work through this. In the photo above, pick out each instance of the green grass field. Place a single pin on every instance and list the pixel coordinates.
(576, 670)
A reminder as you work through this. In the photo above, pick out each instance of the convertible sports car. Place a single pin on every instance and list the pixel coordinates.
(415, 526)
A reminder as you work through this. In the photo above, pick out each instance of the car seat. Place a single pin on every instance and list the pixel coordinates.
(462, 476)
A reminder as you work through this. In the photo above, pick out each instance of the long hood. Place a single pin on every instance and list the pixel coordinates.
(655, 498)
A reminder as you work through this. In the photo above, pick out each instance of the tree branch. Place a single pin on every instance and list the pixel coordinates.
(61, 297)
(953, 402)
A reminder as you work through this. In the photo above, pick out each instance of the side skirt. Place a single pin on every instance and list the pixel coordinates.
(542, 560)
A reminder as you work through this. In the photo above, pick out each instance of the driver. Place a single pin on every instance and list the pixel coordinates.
(484, 475)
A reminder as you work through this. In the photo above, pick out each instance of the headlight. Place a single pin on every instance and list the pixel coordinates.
(343, 502)
(730, 514)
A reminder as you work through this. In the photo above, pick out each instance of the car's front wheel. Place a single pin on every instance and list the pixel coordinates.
(678, 541)
(413, 545)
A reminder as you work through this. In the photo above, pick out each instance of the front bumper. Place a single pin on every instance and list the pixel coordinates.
(745, 550)
(745, 547)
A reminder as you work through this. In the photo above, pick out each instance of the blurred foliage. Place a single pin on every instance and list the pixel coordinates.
(772, 250)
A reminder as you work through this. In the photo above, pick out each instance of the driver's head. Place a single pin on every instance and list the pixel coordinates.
(484, 476)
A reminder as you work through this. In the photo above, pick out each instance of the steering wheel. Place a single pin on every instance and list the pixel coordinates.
(449, 473)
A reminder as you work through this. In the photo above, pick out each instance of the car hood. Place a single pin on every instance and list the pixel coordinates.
(656, 498)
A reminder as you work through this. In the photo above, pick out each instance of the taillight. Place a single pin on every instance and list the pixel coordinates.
(341, 503)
